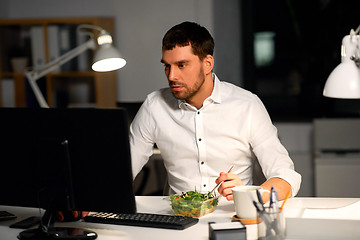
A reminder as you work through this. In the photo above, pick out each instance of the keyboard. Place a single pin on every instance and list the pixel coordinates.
(142, 220)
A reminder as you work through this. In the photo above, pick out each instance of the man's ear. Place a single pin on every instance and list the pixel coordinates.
(208, 64)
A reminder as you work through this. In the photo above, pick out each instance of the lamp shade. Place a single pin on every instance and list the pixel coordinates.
(343, 82)
(107, 58)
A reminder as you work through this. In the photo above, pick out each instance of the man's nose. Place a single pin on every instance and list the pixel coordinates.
(172, 75)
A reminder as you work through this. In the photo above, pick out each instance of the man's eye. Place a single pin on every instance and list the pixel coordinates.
(181, 65)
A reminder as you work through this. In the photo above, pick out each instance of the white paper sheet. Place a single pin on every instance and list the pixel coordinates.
(350, 212)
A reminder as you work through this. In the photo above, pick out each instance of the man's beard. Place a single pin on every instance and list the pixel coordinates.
(190, 92)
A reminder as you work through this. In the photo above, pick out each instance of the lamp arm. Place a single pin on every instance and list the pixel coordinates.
(37, 92)
(35, 74)
(50, 66)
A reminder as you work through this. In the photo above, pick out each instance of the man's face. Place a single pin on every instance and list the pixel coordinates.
(184, 72)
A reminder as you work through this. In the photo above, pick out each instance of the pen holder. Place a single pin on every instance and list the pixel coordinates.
(271, 225)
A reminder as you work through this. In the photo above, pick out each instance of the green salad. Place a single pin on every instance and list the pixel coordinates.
(193, 203)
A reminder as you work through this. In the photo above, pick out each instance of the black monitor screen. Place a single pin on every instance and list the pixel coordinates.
(92, 172)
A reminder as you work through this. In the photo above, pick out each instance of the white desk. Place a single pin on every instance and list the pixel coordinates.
(298, 227)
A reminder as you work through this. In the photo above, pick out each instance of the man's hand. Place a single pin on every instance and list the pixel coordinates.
(229, 180)
(68, 216)
(280, 185)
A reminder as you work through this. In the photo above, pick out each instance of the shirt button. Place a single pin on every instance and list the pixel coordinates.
(204, 185)
(202, 163)
(198, 113)
(199, 139)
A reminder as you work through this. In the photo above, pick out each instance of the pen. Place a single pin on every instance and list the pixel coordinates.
(271, 196)
(259, 197)
(286, 198)
(274, 200)
(258, 206)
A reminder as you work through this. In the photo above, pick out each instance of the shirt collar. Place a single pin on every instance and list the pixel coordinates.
(214, 97)
(216, 93)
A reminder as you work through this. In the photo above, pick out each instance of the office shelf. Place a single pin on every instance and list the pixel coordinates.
(18, 41)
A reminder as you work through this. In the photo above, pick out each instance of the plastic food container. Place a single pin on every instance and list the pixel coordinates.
(193, 206)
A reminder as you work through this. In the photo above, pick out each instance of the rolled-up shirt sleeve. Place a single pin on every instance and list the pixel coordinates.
(271, 154)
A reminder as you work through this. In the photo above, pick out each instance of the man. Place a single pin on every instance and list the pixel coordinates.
(204, 126)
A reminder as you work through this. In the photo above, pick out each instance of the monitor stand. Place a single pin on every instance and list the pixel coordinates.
(47, 231)
(57, 233)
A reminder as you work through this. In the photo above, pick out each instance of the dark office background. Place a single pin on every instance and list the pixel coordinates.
(307, 39)
(306, 35)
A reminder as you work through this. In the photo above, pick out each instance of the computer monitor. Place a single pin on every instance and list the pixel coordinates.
(66, 159)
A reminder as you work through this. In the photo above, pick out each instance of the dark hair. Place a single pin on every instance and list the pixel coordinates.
(189, 33)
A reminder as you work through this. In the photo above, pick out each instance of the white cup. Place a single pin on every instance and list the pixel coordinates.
(244, 206)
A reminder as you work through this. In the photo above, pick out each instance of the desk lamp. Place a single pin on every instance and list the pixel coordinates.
(106, 58)
(344, 80)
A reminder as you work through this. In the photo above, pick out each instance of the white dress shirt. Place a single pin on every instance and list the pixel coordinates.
(230, 129)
